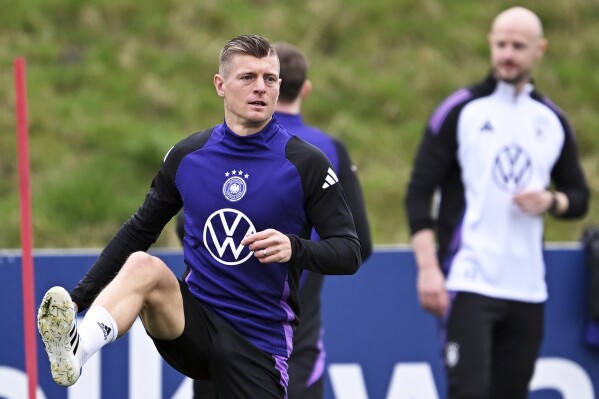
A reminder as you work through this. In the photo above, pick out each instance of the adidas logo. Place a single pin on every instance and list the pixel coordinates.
(105, 330)
(330, 179)
(487, 127)
(74, 338)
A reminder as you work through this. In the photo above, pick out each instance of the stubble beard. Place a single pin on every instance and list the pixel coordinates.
(515, 78)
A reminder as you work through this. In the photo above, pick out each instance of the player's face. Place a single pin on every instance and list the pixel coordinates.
(514, 53)
(250, 90)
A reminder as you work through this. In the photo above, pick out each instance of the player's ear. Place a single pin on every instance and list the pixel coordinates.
(219, 82)
(306, 89)
(541, 48)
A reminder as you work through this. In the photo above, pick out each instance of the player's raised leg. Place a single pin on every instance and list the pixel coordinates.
(145, 287)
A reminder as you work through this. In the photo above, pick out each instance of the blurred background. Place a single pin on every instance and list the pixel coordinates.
(113, 85)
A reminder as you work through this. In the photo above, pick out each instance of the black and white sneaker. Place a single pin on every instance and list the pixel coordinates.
(57, 325)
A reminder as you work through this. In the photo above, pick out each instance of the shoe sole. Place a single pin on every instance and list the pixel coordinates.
(54, 322)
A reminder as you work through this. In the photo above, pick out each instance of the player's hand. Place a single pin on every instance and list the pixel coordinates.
(269, 246)
(432, 294)
(533, 202)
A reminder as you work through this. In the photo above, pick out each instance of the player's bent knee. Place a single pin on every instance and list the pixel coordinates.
(145, 269)
(139, 259)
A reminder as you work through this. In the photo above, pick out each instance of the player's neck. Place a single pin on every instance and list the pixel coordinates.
(293, 108)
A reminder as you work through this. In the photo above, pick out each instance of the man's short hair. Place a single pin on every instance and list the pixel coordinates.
(254, 45)
(294, 70)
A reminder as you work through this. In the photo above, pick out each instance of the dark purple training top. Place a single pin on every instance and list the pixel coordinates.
(230, 186)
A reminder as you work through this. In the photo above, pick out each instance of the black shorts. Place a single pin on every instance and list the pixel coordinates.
(210, 349)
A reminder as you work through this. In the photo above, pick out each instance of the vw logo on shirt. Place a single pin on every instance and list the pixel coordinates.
(223, 233)
(512, 168)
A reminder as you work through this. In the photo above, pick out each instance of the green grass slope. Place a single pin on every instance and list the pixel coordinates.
(112, 85)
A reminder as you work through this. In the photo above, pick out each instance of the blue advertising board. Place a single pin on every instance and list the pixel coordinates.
(379, 343)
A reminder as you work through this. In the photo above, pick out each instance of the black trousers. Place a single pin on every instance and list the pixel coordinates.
(491, 347)
(210, 349)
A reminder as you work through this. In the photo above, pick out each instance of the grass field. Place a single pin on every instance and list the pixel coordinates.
(112, 85)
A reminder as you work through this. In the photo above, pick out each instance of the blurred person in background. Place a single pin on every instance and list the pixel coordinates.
(502, 156)
(251, 194)
(307, 361)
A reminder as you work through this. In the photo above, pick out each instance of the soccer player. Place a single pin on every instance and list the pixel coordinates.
(502, 156)
(307, 361)
(251, 194)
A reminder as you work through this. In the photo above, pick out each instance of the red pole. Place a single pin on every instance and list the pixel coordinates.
(26, 233)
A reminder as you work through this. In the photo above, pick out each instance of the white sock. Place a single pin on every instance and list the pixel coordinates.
(97, 329)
